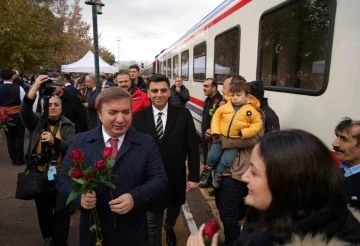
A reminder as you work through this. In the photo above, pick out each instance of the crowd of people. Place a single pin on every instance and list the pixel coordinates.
(283, 184)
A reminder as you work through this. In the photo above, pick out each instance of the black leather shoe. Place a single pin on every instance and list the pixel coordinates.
(48, 241)
(170, 237)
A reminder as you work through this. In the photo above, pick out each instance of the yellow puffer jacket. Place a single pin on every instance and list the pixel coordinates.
(229, 123)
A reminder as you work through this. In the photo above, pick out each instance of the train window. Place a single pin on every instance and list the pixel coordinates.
(294, 55)
(161, 67)
(185, 65)
(176, 66)
(164, 68)
(226, 58)
(169, 68)
(200, 62)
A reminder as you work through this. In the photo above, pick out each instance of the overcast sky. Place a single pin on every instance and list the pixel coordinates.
(146, 26)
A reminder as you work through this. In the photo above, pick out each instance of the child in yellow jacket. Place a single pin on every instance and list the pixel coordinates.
(238, 118)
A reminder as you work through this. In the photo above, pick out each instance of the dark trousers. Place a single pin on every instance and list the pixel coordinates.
(205, 145)
(53, 223)
(229, 200)
(15, 140)
(155, 223)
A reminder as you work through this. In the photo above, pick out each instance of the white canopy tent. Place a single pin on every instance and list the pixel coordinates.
(87, 65)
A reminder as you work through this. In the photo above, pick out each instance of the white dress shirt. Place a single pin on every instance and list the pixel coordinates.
(107, 137)
(163, 116)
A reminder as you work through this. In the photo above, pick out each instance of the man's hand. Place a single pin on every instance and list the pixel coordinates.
(123, 204)
(47, 137)
(191, 186)
(85, 105)
(177, 89)
(36, 86)
(207, 134)
(88, 201)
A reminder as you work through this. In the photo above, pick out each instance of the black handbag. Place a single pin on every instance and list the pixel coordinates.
(32, 183)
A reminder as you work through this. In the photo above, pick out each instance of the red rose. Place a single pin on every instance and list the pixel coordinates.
(100, 165)
(77, 173)
(89, 176)
(107, 151)
(211, 227)
(217, 101)
(4, 117)
(77, 156)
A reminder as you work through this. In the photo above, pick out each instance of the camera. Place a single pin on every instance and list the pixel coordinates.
(39, 160)
(47, 89)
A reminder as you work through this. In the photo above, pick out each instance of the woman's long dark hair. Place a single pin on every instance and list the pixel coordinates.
(302, 176)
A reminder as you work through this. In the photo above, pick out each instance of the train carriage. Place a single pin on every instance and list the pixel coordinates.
(306, 52)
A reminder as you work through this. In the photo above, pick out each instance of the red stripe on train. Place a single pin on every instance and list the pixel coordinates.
(227, 13)
(196, 101)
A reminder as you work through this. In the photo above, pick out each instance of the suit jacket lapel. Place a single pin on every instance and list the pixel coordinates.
(171, 118)
(98, 140)
(129, 139)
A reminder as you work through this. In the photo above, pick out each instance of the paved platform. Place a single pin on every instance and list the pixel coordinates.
(18, 219)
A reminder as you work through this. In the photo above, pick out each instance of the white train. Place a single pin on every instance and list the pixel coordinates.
(307, 52)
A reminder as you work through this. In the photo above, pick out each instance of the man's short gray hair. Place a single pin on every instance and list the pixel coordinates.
(92, 76)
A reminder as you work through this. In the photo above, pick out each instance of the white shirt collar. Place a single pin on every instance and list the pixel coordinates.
(107, 137)
(164, 111)
(7, 82)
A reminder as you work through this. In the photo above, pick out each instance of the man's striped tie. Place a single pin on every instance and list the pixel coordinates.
(159, 127)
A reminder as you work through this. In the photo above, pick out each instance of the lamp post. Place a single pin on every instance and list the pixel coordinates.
(96, 9)
(118, 40)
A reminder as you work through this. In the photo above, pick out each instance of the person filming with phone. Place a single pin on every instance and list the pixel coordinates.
(50, 135)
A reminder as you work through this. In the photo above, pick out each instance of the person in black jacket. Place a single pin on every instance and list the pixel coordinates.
(91, 95)
(134, 71)
(179, 94)
(71, 104)
(174, 132)
(68, 87)
(212, 102)
(271, 118)
(11, 96)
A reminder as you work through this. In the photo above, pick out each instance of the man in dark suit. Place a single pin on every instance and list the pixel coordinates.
(91, 95)
(174, 132)
(104, 81)
(68, 86)
(139, 175)
(71, 104)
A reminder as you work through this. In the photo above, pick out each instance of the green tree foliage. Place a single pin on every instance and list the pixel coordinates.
(38, 34)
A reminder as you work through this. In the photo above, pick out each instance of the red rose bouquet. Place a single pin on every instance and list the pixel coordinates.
(215, 106)
(211, 227)
(4, 119)
(85, 181)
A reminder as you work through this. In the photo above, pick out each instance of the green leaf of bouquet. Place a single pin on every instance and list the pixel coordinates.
(108, 183)
(76, 186)
(94, 227)
(80, 181)
(70, 171)
(71, 197)
(88, 170)
(111, 163)
(102, 178)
